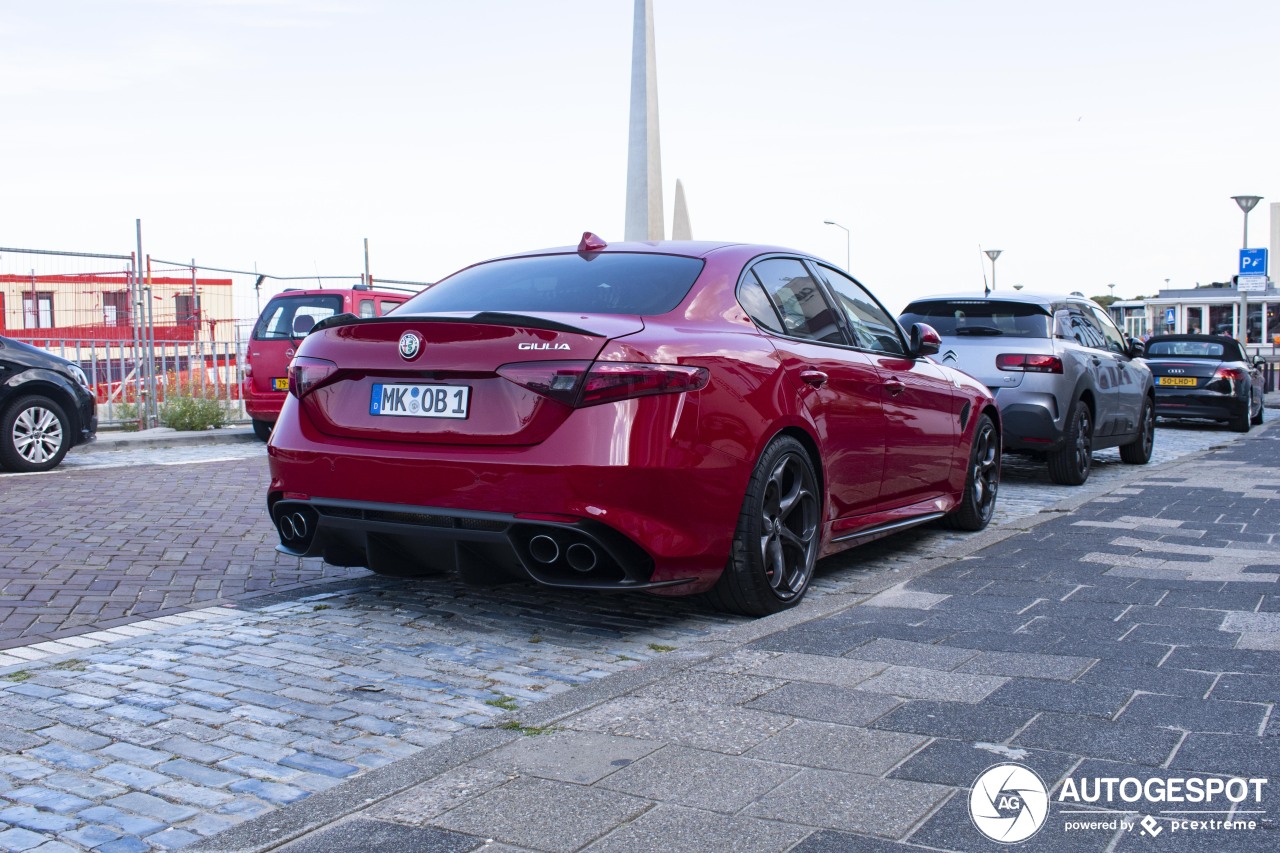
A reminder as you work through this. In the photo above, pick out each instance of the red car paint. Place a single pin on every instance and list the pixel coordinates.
(657, 482)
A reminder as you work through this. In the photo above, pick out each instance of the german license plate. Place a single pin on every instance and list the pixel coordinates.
(420, 401)
(1186, 381)
(280, 383)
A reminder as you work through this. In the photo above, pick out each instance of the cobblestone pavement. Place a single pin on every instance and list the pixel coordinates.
(148, 699)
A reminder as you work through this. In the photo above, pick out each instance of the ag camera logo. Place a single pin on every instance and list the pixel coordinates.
(1008, 803)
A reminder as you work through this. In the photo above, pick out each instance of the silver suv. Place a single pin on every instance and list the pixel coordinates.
(1066, 380)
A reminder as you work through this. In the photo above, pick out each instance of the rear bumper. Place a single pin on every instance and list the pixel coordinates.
(659, 511)
(1030, 421)
(1199, 404)
(571, 555)
(262, 405)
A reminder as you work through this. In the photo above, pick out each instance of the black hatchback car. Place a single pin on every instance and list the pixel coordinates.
(1206, 376)
(46, 407)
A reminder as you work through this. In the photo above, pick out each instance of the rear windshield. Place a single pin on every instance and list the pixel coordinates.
(979, 318)
(596, 284)
(287, 317)
(1188, 349)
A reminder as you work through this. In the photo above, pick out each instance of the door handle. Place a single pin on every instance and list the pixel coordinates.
(894, 386)
(1096, 360)
(816, 378)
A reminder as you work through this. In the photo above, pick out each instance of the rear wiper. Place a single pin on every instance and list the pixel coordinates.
(978, 330)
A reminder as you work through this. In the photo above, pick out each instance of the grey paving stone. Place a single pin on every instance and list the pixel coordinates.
(1099, 739)
(1069, 698)
(1172, 635)
(821, 669)
(712, 686)
(958, 763)
(918, 683)
(1163, 680)
(834, 841)
(952, 829)
(696, 778)
(996, 641)
(374, 835)
(847, 801)
(995, 602)
(543, 814)
(1196, 715)
(435, 796)
(1027, 665)
(1229, 755)
(956, 720)
(911, 654)
(683, 830)
(826, 702)
(579, 757)
(704, 726)
(1247, 688)
(833, 747)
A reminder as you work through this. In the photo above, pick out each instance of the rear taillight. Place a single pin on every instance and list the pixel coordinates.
(582, 383)
(609, 381)
(1029, 363)
(1231, 374)
(248, 369)
(306, 374)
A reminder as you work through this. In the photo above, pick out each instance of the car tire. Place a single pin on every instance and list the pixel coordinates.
(1069, 464)
(262, 429)
(35, 434)
(1138, 451)
(1257, 419)
(775, 545)
(1243, 421)
(982, 480)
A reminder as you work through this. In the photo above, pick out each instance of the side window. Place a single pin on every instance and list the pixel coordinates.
(1115, 340)
(385, 306)
(798, 300)
(366, 308)
(1084, 330)
(873, 328)
(755, 302)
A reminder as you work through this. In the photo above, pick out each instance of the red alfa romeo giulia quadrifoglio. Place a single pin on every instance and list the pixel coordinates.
(677, 417)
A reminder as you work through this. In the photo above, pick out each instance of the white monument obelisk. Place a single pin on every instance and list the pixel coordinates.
(644, 157)
(681, 228)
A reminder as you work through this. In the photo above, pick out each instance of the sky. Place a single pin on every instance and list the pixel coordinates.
(1095, 143)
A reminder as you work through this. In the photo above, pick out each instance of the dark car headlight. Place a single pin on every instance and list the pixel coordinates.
(79, 376)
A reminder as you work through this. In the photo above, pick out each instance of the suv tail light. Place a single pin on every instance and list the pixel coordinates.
(1029, 363)
(306, 374)
(583, 383)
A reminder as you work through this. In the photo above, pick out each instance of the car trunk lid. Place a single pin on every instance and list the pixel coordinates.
(435, 378)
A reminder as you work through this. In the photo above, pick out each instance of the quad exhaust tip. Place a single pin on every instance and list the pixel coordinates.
(544, 549)
(581, 557)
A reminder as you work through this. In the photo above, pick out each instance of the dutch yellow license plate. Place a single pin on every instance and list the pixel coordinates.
(280, 383)
(1184, 381)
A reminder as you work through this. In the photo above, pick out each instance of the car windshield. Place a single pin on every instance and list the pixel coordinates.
(605, 283)
(979, 318)
(1190, 349)
(288, 317)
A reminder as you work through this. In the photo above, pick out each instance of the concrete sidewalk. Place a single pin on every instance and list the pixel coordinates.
(1134, 635)
(110, 440)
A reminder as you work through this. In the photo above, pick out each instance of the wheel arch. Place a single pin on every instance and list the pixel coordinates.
(47, 387)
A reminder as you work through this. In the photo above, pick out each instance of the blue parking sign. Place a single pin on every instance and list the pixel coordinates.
(1253, 262)
(1169, 317)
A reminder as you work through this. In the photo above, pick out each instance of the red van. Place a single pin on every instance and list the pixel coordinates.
(285, 321)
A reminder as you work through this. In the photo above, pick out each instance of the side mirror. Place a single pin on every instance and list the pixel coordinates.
(924, 340)
(1259, 361)
(1136, 348)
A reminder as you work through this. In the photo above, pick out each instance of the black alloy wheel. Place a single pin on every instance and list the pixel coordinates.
(1243, 421)
(775, 546)
(1138, 452)
(1069, 465)
(982, 482)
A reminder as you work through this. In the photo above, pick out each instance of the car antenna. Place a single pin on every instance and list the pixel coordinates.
(985, 290)
(319, 283)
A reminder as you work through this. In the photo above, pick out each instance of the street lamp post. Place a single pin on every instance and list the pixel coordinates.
(992, 254)
(846, 242)
(1247, 203)
(1113, 290)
